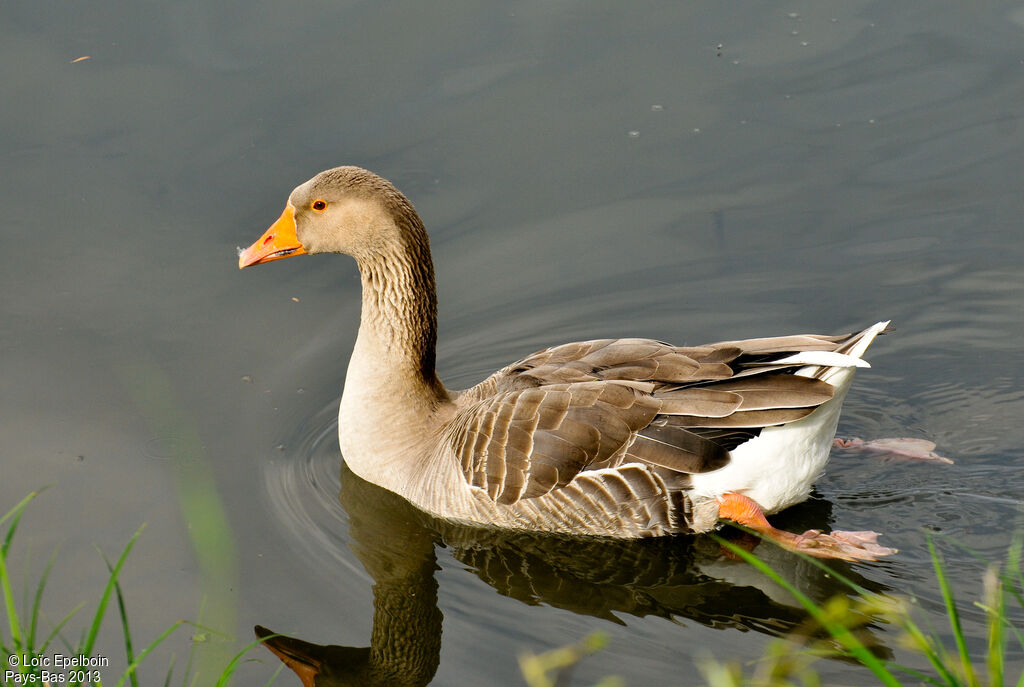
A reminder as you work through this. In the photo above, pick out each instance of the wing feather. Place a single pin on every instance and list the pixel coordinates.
(699, 401)
(676, 449)
(598, 423)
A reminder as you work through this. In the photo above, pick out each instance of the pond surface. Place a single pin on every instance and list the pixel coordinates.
(688, 173)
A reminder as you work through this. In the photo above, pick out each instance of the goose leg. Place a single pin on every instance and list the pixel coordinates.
(848, 546)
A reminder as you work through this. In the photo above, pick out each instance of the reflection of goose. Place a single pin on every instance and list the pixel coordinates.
(617, 437)
(405, 645)
(670, 577)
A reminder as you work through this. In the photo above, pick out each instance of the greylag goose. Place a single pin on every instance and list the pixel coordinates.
(611, 437)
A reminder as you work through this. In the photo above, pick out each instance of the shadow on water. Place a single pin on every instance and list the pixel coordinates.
(675, 578)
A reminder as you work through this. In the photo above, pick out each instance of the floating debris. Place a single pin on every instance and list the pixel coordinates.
(80, 59)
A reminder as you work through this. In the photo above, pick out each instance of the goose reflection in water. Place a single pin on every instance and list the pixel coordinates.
(671, 577)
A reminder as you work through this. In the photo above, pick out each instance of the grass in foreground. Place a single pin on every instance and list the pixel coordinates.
(27, 644)
(835, 631)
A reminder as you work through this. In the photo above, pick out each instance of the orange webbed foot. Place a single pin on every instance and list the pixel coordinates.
(848, 546)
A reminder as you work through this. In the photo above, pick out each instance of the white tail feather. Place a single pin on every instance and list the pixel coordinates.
(821, 358)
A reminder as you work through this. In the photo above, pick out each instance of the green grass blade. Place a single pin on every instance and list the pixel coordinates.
(192, 647)
(1001, 615)
(1012, 579)
(225, 676)
(833, 573)
(12, 528)
(17, 509)
(273, 677)
(935, 654)
(840, 633)
(94, 627)
(170, 672)
(125, 630)
(953, 614)
(129, 672)
(995, 613)
(198, 496)
(918, 675)
(57, 628)
(1016, 632)
(38, 599)
(14, 625)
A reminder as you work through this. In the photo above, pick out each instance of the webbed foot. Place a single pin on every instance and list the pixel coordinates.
(847, 546)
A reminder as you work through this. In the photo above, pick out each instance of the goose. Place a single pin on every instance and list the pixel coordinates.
(620, 438)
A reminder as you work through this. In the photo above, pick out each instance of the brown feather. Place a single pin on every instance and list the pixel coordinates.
(675, 368)
(752, 418)
(726, 437)
(778, 391)
(641, 369)
(723, 354)
(784, 344)
(621, 352)
(676, 449)
(712, 371)
(700, 401)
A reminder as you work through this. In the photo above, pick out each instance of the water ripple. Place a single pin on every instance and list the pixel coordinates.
(302, 488)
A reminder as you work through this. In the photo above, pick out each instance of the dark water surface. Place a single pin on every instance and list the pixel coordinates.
(690, 173)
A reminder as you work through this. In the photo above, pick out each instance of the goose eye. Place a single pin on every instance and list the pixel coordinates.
(319, 205)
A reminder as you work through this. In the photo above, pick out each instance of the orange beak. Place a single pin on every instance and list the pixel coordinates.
(294, 653)
(277, 242)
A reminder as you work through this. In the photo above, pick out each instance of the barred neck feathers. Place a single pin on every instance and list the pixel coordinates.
(399, 296)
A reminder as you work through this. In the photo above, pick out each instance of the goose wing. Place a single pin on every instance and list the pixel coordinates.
(536, 425)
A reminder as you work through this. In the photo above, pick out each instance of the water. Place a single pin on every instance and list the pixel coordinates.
(585, 171)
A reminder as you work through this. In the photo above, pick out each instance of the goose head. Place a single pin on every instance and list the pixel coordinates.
(342, 210)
